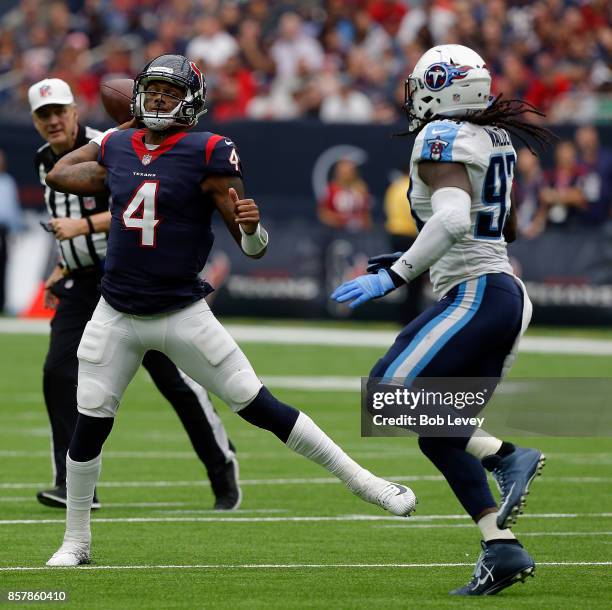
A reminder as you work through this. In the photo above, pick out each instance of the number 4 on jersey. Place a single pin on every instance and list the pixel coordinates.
(140, 212)
(234, 160)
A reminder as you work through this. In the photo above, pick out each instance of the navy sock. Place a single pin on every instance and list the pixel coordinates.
(267, 412)
(89, 436)
(503, 541)
(463, 472)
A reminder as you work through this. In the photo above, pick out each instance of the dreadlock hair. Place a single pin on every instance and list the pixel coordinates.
(503, 114)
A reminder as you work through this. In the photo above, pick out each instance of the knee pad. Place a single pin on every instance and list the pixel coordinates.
(94, 400)
(241, 388)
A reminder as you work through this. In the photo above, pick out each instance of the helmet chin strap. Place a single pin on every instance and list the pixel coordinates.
(158, 124)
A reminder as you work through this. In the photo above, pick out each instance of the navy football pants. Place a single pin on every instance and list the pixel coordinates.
(472, 331)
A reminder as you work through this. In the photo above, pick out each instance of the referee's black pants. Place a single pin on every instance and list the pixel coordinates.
(79, 296)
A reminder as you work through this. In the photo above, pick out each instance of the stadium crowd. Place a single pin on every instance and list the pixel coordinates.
(336, 60)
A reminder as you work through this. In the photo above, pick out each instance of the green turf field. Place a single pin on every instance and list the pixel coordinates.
(299, 540)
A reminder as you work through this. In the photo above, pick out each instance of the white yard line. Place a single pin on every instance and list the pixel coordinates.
(296, 335)
(313, 384)
(291, 566)
(292, 481)
(585, 459)
(283, 454)
(302, 519)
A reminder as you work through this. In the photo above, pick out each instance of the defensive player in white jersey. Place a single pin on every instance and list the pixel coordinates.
(462, 169)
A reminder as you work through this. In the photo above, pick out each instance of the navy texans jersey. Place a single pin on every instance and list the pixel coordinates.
(160, 234)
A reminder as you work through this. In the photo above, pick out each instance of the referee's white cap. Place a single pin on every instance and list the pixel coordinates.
(49, 91)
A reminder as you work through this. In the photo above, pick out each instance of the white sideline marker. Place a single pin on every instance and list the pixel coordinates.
(312, 335)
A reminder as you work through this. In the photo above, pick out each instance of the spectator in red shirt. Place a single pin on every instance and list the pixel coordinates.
(235, 89)
(346, 204)
(387, 12)
(548, 86)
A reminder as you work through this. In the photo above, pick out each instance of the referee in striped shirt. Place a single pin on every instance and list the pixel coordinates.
(80, 225)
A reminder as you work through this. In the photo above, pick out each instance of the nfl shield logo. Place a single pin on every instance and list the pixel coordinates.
(89, 203)
(45, 91)
(146, 159)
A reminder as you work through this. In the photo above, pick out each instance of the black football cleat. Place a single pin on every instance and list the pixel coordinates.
(226, 487)
(56, 498)
(500, 565)
(514, 474)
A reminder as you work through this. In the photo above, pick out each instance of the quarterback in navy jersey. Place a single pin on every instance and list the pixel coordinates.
(160, 222)
(81, 226)
(166, 182)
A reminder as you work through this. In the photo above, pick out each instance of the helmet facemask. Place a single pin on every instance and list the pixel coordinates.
(412, 105)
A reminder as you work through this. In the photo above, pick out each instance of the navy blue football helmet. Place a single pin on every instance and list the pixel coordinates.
(179, 71)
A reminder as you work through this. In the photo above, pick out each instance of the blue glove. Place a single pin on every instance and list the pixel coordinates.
(382, 261)
(363, 288)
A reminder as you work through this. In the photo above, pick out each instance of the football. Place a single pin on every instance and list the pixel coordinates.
(116, 98)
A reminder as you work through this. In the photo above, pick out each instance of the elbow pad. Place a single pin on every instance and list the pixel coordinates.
(452, 204)
(449, 223)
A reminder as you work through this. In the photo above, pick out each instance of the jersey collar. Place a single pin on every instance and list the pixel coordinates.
(147, 156)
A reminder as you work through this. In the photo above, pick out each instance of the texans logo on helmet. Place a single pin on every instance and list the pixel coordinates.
(442, 75)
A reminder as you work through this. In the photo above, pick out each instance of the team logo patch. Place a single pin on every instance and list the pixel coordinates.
(45, 91)
(436, 148)
(146, 159)
(442, 75)
(197, 71)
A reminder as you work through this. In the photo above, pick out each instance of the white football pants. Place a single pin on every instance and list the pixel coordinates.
(114, 343)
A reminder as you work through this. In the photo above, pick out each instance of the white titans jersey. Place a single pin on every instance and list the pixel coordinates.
(489, 158)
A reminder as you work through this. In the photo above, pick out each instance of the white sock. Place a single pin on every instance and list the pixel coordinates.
(490, 531)
(482, 444)
(309, 440)
(81, 479)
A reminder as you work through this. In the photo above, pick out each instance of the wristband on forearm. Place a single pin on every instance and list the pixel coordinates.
(254, 243)
(90, 225)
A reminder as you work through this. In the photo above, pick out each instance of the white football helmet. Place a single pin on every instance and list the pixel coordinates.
(447, 80)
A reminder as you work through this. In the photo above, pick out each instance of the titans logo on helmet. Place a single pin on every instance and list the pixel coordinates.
(442, 75)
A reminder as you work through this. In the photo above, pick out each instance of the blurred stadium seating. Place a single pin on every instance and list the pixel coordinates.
(324, 81)
(283, 59)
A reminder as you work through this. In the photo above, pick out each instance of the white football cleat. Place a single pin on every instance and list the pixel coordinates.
(398, 499)
(70, 554)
